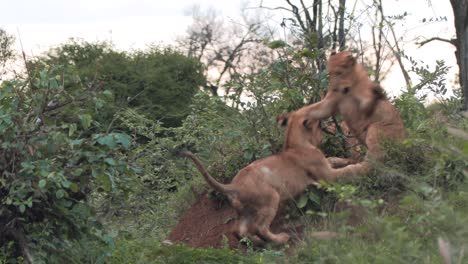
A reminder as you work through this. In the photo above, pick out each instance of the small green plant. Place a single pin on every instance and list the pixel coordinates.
(178, 254)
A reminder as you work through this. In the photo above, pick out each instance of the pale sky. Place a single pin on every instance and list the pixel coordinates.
(133, 24)
(128, 23)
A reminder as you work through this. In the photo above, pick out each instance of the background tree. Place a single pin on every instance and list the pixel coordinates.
(460, 12)
(158, 82)
(6, 50)
(228, 49)
(460, 42)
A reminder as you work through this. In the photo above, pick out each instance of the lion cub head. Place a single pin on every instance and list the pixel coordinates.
(349, 84)
(301, 129)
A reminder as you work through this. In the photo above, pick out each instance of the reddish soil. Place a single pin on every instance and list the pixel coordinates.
(206, 222)
(209, 222)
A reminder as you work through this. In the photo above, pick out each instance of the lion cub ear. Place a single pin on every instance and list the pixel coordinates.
(379, 92)
(350, 60)
(282, 119)
(311, 124)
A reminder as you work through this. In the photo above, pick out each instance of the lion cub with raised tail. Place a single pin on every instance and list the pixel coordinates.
(257, 190)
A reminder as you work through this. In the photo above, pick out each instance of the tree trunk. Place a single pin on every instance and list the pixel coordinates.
(465, 64)
(460, 12)
(341, 28)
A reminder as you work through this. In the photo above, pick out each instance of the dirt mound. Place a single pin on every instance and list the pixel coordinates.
(207, 221)
(204, 224)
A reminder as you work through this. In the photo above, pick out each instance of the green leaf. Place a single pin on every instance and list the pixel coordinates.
(306, 53)
(266, 146)
(81, 209)
(465, 147)
(59, 194)
(77, 171)
(105, 182)
(85, 120)
(6, 91)
(302, 202)
(107, 93)
(109, 240)
(42, 183)
(310, 212)
(29, 202)
(22, 208)
(123, 139)
(314, 198)
(53, 84)
(248, 155)
(71, 129)
(107, 140)
(74, 187)
(276, 44)
(66, 184)
(76, 142)
(110, 161)
(67, 203)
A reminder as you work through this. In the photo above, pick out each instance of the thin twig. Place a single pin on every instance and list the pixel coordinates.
(28, 71)
(450, 41)
(23, 244)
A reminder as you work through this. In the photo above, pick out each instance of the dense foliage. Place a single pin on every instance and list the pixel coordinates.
(66, 158)
(51, 165)
(158, 82)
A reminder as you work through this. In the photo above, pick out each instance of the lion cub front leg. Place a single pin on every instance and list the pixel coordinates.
(339, 162)
(336, 162)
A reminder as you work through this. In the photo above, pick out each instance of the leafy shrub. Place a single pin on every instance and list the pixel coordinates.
(52, 165)
(159, 82)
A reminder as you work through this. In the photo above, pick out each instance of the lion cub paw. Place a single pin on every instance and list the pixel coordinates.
(282, 238)
(336, 162)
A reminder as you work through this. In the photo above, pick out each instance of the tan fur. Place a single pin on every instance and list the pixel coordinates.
(361, 103)
(257, 190)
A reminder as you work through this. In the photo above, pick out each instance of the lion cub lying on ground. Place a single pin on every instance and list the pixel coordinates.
(361, 103)
(257, 190)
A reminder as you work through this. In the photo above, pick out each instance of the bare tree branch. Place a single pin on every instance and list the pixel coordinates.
(395, 47)
(450, 41)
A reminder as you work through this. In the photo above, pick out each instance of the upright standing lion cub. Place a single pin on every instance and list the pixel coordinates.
(257, 190)
(361, 103)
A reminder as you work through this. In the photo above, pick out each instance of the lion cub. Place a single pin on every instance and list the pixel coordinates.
(361, 102)
(257, 190)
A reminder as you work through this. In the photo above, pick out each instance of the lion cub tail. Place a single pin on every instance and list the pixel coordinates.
(222, 188)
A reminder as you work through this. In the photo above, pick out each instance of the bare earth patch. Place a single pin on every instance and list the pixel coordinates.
(207, 221)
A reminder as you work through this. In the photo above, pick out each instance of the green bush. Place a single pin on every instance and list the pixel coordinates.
(159, 82)
(52, 165)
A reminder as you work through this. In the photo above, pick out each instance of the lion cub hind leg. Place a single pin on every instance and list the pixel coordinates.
(264, 218)
(243, 228)
(264, 228)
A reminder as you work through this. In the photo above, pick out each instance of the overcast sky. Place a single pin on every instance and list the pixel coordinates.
(133, 24)
(128, 23)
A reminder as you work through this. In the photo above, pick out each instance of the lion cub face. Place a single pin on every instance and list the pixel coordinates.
(349, 85)
(301, 129)
(341, 75)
